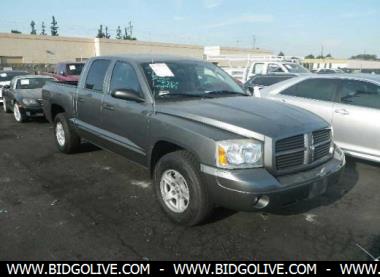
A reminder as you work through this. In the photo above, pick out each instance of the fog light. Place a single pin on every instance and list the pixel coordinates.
(261, 202)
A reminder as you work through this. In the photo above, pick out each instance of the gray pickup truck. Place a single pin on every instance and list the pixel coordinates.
(206, 142)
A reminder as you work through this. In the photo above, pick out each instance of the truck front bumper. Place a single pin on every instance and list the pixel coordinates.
(253, 189)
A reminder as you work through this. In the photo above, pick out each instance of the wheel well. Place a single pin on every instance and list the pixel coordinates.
(160, 149)
(56, 109)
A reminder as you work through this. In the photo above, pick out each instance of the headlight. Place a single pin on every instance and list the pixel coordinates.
(29, 101)
(239, 154)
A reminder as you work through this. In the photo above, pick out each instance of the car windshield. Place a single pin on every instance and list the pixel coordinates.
(295, 68)
(189, 79)
(32, 83)
(74, 69)
(7, 76)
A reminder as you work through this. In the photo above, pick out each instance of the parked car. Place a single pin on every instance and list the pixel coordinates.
(349, 102)
(205, 141)
(257, 82)
(268, 67)
(5, 79)
(23, 96)
(68, 72)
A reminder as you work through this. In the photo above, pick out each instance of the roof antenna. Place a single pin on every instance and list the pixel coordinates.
(369, 254)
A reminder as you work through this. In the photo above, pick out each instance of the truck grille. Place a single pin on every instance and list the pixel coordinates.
(302, 150)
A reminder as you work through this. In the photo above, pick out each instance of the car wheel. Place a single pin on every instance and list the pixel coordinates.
(179, 189)
(5, 106)
(66, 138)
(18, 113)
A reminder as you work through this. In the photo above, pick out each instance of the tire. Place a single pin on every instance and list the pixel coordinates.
(5, 106)
(18, 113)
(181, 166)
(66, 138)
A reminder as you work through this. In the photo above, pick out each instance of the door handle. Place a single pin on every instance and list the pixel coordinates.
(342, 111)
(108, 107)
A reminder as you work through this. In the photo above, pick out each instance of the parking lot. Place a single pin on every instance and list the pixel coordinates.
(96, 205)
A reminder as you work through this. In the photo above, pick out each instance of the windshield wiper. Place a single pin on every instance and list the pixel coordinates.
(226, 92)
(184, 95)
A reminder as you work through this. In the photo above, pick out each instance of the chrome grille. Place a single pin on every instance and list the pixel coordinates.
(302, 150)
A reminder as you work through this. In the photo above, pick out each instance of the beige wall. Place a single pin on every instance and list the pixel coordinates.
(47, 49)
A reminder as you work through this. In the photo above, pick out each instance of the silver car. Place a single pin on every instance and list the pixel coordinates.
(349, 102)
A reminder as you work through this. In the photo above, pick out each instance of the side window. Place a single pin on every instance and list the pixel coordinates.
(96, 75)
(272, 67)
(318, 89)
(360, 93)
(124, 77)
(258, 68)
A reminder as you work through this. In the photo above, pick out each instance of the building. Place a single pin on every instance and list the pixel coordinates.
(36, 49)
(351, 65)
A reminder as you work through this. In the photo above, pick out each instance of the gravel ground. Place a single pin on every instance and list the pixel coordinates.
(96, 205)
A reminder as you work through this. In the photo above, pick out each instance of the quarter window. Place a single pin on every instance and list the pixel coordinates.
(124, 77)
(360, 93)
(258, 68)
(96, 75)
(318, 89)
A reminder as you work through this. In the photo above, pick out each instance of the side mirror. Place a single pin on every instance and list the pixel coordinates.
(127, 94)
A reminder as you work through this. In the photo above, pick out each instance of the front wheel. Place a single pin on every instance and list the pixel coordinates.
(66, 139)
(18, 113)
(179, 189)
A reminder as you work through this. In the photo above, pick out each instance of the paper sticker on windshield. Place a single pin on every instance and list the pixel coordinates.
(24, 82)
(3, 75)
(161, 70)
(72, 67)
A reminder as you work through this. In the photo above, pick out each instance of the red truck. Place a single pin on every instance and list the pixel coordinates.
(67, 72)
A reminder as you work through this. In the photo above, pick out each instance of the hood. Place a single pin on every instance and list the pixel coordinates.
(262, 116)
(30, 93)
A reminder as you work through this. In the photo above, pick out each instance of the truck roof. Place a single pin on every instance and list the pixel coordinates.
(142, 58)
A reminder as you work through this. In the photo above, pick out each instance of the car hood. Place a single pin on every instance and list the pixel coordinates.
(262, 116)
(30, 93)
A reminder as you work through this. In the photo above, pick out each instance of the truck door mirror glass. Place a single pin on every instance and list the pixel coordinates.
(127, 94)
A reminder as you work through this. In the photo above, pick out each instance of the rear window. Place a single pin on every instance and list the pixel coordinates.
(96, 75)
(74, 69)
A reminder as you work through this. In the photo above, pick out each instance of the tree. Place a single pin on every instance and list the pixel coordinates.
(43, 29)
(367, 57)
(100, 32)
(328, 56)
(54, 27)
(33, 26)
(310, 56)
(281, 54)
(320, 57)
(118, 33)
(107, 35)
(15, 32)
(126, 36)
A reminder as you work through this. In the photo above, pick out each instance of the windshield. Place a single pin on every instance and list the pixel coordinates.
(295, 68)
(32, 83)
(189, 79)
(74, 69)
(7, 76)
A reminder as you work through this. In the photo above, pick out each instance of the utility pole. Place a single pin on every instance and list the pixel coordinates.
(130, 27)
(322, 50)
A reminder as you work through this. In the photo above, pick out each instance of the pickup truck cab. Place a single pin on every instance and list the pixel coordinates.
(206, 142)
(269, 67)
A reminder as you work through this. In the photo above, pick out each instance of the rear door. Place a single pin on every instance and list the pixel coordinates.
(90, 96)
(356, 119)
(316, 95)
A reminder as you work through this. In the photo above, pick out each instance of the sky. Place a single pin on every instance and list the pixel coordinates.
(296, 27)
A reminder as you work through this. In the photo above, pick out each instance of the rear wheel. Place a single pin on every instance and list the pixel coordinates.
(66, 139)
(18, 113)
(179, 189)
